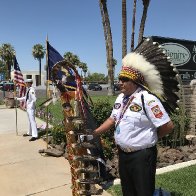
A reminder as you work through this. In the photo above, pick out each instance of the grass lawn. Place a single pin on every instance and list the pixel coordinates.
(180, 182)
(56, 110)
(104, 97)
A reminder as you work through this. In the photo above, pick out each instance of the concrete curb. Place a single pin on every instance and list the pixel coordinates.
(167, 169)
(175, 167)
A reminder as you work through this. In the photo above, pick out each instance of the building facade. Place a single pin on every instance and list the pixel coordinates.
(33, 75)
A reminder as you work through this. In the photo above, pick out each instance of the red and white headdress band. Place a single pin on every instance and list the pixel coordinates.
(142, 72)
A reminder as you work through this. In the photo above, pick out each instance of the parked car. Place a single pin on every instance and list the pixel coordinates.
(6, 86)
(116, 87)
(85, 86)
(94, 87)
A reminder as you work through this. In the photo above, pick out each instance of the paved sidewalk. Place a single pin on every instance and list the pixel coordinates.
(23, 171)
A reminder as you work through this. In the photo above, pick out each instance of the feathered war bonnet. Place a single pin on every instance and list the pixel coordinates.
(148, 66)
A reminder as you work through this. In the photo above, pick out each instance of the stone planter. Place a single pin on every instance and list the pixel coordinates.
(9, 102)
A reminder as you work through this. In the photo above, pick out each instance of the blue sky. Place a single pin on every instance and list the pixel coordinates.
(76, 26)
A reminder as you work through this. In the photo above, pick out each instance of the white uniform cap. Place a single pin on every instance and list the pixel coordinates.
(29, 80)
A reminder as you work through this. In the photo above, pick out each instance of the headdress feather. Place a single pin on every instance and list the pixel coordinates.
(159, 75)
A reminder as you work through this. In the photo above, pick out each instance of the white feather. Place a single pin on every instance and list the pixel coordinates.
(149, 71)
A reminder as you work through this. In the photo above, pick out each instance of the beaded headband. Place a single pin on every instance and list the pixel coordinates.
(133, 74)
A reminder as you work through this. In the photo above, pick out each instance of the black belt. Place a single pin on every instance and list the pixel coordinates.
(134, 149)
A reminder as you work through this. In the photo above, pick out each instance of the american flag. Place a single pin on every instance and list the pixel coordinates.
(19, 81)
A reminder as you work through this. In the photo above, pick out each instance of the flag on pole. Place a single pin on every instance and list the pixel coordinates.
(54, 57)
(19, 81)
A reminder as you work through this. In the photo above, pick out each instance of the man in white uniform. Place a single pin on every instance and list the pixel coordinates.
(139, 116)
(30, 99)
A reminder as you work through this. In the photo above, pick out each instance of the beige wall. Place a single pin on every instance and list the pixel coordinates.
(33, 75)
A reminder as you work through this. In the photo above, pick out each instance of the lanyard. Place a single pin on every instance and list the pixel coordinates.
(125, 106)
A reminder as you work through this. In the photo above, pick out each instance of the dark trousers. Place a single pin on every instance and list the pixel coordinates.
(137, 172)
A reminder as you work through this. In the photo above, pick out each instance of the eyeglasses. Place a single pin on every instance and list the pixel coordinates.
(124, 79)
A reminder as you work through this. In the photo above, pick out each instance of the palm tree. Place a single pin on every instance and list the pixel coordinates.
(133, 25)
(84, 68)
(114, 64)
(38, 52)
(108, 43)
(124, 28)
(7, 55)
(75, 61)
(143, 20)
(72, 58)
(2, 70)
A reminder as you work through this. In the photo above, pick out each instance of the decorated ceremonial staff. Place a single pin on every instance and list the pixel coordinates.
(86, 158)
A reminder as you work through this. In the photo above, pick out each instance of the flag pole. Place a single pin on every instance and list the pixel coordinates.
(47, 83)
(15, 104)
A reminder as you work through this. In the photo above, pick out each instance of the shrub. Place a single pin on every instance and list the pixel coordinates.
(181, 123)
(101, 111)
(58, 134)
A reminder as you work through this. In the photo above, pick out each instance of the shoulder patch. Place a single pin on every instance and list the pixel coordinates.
(157, 111)
(149, 102)
(135, 108)
(117, 105)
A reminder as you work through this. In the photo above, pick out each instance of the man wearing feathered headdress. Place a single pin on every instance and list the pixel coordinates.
(139, 116)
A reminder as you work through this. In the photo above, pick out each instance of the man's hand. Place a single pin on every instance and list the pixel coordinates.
(86, 138)
(15, 98)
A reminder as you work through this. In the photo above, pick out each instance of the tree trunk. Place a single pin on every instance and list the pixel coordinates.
(109, 44)
(124, 28)
(8, 75)
(133, 25)
(40, 72)
(143, 20)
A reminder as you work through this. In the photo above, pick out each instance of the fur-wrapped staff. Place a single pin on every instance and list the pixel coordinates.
(86, 159)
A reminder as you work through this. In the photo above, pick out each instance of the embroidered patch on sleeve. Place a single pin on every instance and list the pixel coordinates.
(150, 102)
(33, 93)
(157, 111)
(117, 105)
(135, 108)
